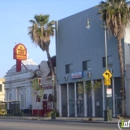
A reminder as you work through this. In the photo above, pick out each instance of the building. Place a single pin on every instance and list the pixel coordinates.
(2, 91)
(18, 84)
(18, 87)
(43, 101)
(81, 56)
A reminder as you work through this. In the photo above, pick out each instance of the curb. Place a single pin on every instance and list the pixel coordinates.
(61, 120)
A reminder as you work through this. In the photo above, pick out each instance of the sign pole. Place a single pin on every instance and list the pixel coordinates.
(105, 112)
(19, 53)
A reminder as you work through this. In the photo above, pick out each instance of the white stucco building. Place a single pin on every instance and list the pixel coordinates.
(2, 91)
(18, 84)
(18, 87)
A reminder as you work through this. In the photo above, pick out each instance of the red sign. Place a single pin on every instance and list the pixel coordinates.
(20, 52)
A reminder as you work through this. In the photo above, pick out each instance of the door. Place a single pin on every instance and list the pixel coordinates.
(44, 107)
(71, 100)
(80, 106)
(118, 106)
(80, 99)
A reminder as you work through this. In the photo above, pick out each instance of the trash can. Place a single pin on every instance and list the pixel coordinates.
(108, 115)
(53, 115)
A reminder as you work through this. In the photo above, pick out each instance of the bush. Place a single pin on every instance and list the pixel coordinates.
(48, 114)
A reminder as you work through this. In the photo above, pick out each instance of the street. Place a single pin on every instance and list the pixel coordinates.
(13, 124)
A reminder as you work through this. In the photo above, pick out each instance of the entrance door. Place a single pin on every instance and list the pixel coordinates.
(80, 110)
(71, 100)
(44, 107)
(80, 99)
(118, 106)
(64, 99)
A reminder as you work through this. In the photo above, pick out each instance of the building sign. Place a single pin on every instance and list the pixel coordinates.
(109, 92)
(47, 87)
(20, 52)
(77, 75)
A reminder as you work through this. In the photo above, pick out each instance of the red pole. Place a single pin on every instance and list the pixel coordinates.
(18, 65)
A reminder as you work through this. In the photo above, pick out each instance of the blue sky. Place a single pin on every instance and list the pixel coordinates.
(14, 23)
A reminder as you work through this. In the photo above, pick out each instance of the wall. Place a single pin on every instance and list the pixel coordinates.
(64, 99)
(75, 44)
(2, 93)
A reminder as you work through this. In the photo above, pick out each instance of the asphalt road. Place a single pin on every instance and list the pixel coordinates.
(13, 124)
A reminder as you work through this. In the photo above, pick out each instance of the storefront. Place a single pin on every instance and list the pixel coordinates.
(76, 102)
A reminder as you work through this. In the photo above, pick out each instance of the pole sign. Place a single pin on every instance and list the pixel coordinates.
(20, 52)
(107, 78)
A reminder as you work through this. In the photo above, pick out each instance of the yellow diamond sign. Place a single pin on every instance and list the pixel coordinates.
(107, 74)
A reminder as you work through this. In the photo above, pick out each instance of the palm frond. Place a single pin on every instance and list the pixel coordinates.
(116, 14)
(41, 30)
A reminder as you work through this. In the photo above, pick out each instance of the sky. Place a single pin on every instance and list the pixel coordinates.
(14, 23)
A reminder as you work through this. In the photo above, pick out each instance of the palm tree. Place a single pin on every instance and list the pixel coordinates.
(40, 32)
(116, 15)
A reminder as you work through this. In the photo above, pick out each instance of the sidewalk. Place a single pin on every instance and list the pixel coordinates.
(65, 119)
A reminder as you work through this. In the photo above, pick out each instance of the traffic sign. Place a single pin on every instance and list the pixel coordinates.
(107, 82)
(107, 74)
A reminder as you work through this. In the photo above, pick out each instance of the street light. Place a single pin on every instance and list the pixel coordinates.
(105, 36)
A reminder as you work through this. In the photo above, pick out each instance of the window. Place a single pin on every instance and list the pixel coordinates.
(10, 96)
(38, 99)
(86, 65)
(68, 68)
(45, 96)
(109, 60)
(50, 98)
(23, 100)
(0, 87)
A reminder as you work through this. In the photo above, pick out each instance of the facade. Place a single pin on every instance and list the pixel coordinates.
(43, 103)
(2, 91)
(81, 57)
(18, 85)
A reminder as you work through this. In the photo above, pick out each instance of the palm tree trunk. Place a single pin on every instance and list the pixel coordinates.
(120, 53)
(53, 78)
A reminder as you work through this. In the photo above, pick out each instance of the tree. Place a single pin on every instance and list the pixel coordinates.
(116, 15)
(37, 89)
(40, 32)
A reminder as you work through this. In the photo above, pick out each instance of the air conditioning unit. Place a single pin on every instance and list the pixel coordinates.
(111, 70)
(89, 74)
(66, 77)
